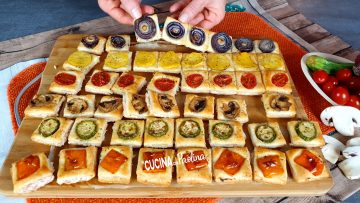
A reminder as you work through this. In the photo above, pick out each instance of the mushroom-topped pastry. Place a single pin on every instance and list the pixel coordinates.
(199, 106)
(79, 106)
(44, 105)
(135, 106)
(279, 105)
(162, 105)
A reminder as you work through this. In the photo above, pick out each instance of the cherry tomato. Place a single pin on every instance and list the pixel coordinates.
(164, 84)
(126, 80)
(320, 76)
(354, 84)
(100, 78)
(354, 101)
(343, 75)
(194, 80)
(281, 79)
(222, 80)
(340, 95)
(65, 79)
(328, 87)
(333, 80)
(248, 80)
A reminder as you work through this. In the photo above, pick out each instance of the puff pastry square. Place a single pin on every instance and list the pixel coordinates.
(157, 35)
(98, 49)
(128, 132)
(235, 50)
(74, 88)
(298, 141)
(159, 132)
(210, 49)
(73, 109)
(244, 61)
(193, 61)
(159, 79)
(226, 134)
(103, 89)
(201, 46)
(195, 81)
(135, 106)
(162, 105)
(269, 141)
(128, 83)
(277, 81)
(222, 83)
(146, 61)
(110, 47)
(271, 62)
(219, 62)
(199, 106)
(189, 133)
(95, 140)
(83, 69)
(118, 61)
(169, 38)
(44, 105)
(268, 98)
(249, 83)
(110, 108)
(229, 108)
(170, 62)
(257, 49)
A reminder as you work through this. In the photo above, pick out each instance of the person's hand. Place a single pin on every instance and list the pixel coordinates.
(203, 13)
(125, 11)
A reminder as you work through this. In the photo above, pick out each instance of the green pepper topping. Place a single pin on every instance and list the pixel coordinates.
(128, 130)
(86, 129)
(265, 133)
(306, 130)
(158, 128)
(49, 126)
(222, 130)
(189, 129)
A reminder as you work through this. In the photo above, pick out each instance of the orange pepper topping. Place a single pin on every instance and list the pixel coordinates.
(311, 162)
(153, 160)
(27, 166)
(113, 160)
(230, 162)
(195, 160)
(270, 165)
(75, 159)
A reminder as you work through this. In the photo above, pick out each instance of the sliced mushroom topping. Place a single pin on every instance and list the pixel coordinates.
(77, 105)
(41, 100)
(165, 102)
(108, 106)
(90, 41)
(197, 104)
(139, 104)
(280, 103)
(231, 109)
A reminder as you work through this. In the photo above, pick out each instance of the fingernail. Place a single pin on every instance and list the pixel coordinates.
(135, 12)
(184, 18)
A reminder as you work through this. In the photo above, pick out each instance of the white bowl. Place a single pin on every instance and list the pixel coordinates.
(307, 71)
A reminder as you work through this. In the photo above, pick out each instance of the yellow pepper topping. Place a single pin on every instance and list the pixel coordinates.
(244, 59)
(80, 59)
(271, 61)
(117, 59)
(145, 59)
(193, 59)
(169, 60)
(218, 62)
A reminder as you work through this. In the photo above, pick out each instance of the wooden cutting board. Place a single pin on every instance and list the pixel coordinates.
(23, 146)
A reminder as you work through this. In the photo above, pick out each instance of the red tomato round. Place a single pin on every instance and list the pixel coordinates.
(65, 79)
(333, 80)
(328, 87)
(222, 80)
(280, 79)
(126, 80)
(320, 76)
(340, 95)
(248, 80)
(164, 84)
(194, 80)
(343, 75)
(100, 78)
(353, 84)
(354, 101)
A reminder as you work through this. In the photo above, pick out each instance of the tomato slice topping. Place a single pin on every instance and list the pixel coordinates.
(270, 165)
(27, 166)
(75, 159)
(65, 79)
(164, 84)
(248, 80)
(311, 162)
(153, 160)
(230, 162)
(113, 160)
(194, 80)
(195, 160)
(100, 78)
(126, 80)
(222, 80)
(279, 79)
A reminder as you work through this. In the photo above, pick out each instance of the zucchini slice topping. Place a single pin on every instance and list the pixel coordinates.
(306, 130)
(49, 126)
(189, 129)
(86, 129)
(265, 133)
(222, 130)
(158, 128)
(128, 130)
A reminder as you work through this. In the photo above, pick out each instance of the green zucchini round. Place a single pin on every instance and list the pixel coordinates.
(306, 130)
(185, 131)
(86, 129)
(265, 133)
(49, 126)
(158, 128)
(128, 130)
(222, 130)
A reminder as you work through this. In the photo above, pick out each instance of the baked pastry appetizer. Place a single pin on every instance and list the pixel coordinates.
(88, 132)
(228, 108)
(271, 62)
(197, 38)
(279, 105)
(222, 83)
(226, 134)
(231, 165)
(118, 61)
(31, 173)
(219, 43)
(146, 61)
(306, 165)
(266, 46)
(109, 108)
(193, 61)
(128, 132)
(249, 83)
(76, 165)
(81, 61)
(164, 84)
(52, 131)
(155, 166)
(93, 44)
(159, 132)
(193, 166)
(269, 166)
(79, 106)
(101, 82)
(44, 105)
(305, 134)
(174, 31)
(243, 61)
(169, 62)
(196, 81)
(147, 28)
(118, 43)
(266, 135)
(67, 82)
(277, 81)
(162, 105)
(199, 106)
(189, 133)
(242, 45)
(135, 106)
(219, 62)
(128, 83)
(115, 164)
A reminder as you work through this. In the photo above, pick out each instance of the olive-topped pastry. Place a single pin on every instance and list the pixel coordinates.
(266, 46)
(117, 41)
(90, 41)
(147, 28)
(244, 45)
(220, 43)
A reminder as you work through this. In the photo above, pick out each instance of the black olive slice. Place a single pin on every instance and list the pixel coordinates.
(108, 106)
(165, 102)
(197, 36)
(197, 104)
(175, 30)
(117, 41)
(90, 41)
(41, 100)
(145, 27)
(139, 104)
(77, 105)
(267, 46)
(221, 42)
(244, 44)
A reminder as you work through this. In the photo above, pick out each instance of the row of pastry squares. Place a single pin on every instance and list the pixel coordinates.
(155, 166)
